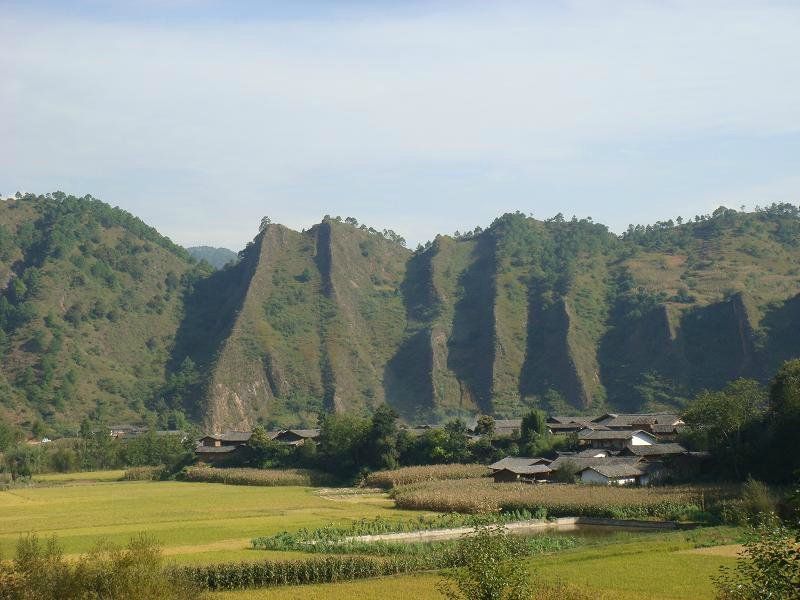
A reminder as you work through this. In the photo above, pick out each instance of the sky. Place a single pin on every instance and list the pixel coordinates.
(201, 117)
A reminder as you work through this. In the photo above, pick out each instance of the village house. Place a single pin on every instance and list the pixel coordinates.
(558, 425)
(615, 439)
(654, 451)
(614, 474)
(216, 447)
(665, 426)
(516, 468)
(522, 473)
(120, 431)
(296, 437)
(507, 427)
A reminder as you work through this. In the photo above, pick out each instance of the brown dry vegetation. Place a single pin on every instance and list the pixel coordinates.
(265, 477)
(483, 495)
(422, 473)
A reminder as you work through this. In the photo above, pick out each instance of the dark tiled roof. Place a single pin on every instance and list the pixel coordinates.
(655, 450)
(230, 436)
(592, 452)
(568, 427)
(614, 434)
(517, 462)
(214, 449)
(666, 428)
(567, 420)
(584, 461)
(304, 433)
(615, 471)
(637, 419)
(507, 423)
(525, 469)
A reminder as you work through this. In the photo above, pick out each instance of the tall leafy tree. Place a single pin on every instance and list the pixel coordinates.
(784, 416)
(720, 420)
(381, 441)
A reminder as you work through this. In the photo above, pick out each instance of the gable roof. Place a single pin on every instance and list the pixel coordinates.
(638, 419)
(508, 423)
(615, 471)
(305, 433)
(582, 462)
(613, 434)
(592, 452)
(658, 428)
(230, 436)
(215, 449)
(568, 420)
(655, 450)
(525, 469)
(518, 462)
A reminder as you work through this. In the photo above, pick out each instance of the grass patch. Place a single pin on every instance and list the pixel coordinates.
(83, 476)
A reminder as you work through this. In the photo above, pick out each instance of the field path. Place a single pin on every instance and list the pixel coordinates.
(729, 550)
(237, 544)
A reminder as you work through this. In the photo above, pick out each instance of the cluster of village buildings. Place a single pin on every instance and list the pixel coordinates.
(620, 449)
(616, 449)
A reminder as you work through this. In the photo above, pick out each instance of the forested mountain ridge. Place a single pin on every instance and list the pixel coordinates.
(90, 299)
(560, 314)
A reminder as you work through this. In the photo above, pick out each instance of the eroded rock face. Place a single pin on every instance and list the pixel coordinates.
(476, 325)
(340, 318)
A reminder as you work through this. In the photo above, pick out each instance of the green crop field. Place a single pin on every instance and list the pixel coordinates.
(205, 522)
(194, 521)
(658, 567)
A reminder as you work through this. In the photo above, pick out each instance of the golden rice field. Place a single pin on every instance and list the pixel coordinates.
(210, 522)
(419, 474)
(195, 522)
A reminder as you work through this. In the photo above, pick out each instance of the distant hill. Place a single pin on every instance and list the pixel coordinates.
(102, 315)
(216, 257)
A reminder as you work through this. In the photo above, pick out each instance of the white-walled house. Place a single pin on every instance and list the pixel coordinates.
(619, 474)
(616, 439)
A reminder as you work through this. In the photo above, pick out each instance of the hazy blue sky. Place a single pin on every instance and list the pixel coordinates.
(424, 117)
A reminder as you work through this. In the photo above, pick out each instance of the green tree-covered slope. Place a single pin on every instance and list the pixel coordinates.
(90, 300)
(560, 314)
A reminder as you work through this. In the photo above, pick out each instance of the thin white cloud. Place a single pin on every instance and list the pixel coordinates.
(259, 110)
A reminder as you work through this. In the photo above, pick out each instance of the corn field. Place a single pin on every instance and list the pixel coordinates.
(419, 474)
(329, 569)
(559, 500)
(264, 477)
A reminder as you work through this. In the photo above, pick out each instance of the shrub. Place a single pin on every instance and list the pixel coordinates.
(407, 475)
(136, 571)
(145, 473)
(769, 567)
(491, 567)
(244, 476)
(64, 460)
(757, 500)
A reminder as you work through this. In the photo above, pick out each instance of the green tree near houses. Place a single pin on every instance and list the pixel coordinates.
(491, 568)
